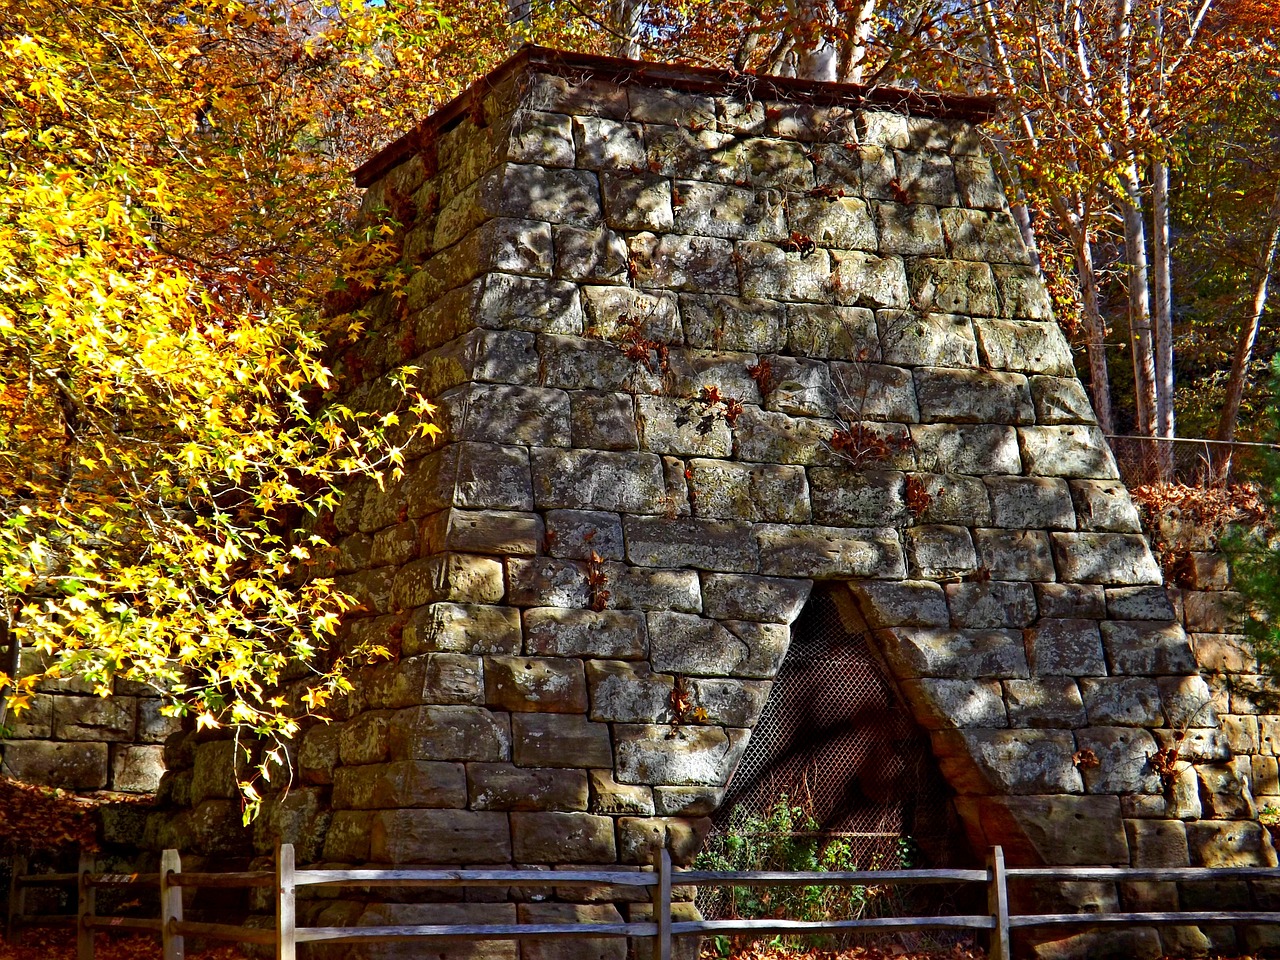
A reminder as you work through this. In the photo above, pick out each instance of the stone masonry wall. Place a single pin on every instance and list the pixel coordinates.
(694, 350)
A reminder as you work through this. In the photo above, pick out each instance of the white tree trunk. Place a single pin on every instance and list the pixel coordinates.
(1096, 327)
(1141, 338)
(1162, 291)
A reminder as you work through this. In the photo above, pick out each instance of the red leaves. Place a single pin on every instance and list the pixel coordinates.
(860, 445)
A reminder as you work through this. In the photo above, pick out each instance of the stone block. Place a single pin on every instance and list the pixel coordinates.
(754, 492)
(773, 163)
(1086, 601)
(500, 413)
(816, 551)
(954, 287)
(1015, 554)
(1212, 611)
(560, 740)
(802, 388)
(687, 801)
(1229, 844)
(730, 703)
(1067, 830)
(1224, 653)
(628, 693)
(363, 739)
(604, 144)
(656, 105)
(679, 262)
(390, 547)
(567, 632)
(929, 178)
(861, 279)
(1022, 502)
(610, 798)
(733, 323)
(542, 138)
(439, 836)
(1241, 732)
(730, 596)
(978, 449)
(462, 628)
(1060, 400)
(841, 222)
(616, 314)
(1122, 701)
(641, 588)
(501, 786)
(595, 480)
(649, 754)
(994, 603)
(1123, 754)
(504, 301)
(489, 476)
(927, 339)
(769, 271)
(972, 396)
(109, 719)
(1023, 295)
(640, 840)
(910, 230)
(402, 783)
(1018, 762)
(1026, 347)
(494, 532)
(944, 704)
(69, 766)
(732, 213)
(35, 722)
(1045, 702)
(915, 652)
(603, 421)
(590, 254)
(1144, 648)
(1070, 648)
(1109, 558)
(1139, 603)
(1157, 843)
(543, 684)
(634, 202)
(940, 552)
(1104, 506)
(902, 603)
(602, 948)
(986, 235)
(721, 545)
(137, 768)
(449, 733)
(872, 391)
(797, 121)
(1067, 451)
(533, 192)
(883, 128)
(433, 677)
(952, 498)
(1264, 779)
(765, 436)
(978, 184)
(1187, 702)
(458, 577)
(687, 644)
(857, 497)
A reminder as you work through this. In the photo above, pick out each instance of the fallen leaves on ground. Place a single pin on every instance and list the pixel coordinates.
(763, 951)
(44, 819)
(60, 944)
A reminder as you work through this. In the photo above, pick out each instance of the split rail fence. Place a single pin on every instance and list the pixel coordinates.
(286, 879)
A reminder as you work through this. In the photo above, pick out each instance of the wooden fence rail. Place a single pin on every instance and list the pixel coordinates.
(286, 880)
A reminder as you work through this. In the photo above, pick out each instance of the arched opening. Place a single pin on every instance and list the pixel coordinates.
(836, 762)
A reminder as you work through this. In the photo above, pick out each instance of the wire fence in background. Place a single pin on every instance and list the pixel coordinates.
(1194, 462)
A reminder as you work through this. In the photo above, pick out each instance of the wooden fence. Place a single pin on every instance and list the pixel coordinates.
(286, 879)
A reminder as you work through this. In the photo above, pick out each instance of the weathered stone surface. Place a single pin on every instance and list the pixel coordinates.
(682, 643)
(602, 948)
(594, 480)
(972, 396)
(1211, 611)
(905, 603)
(953, 498)
(873, 391)
(766, 436)
(1157, 843)
(449, 733)
(439, 836)
(953, 654)
(500, 532)
(402, 783)
(1105, 506)
(759, 492)
(994, 603)
(1187, 702)
(982, 235)
(1034, 502)
(566, 632)
(615, 313)
(861, 279)
(1139, 647)
(560, 740)
(686, 801)
(1122, 754)
(462, 628)
(94, 718)
(814, 551)
(1015, 554)
(1071, 600)
(733, 213)
(926, 339)
(1109, 558)
(1025, 347)
(722, 545)
(980, 449)
(680, 262)
(1219, 653)
(604, 144)
(610, 798)
(579, 363)
(545, 684)
(1047, 702)
(603, 421)
(733, 323)
(137, 768)
(729, 596)
(501, 786)
(1071, 648)
(695, 755)
(909, 230)
(1122, 701)
(940, 551)
(1059, 829)
(536, 193)
(640, 840)
(592, 254)
(511, 302)
(633, 202)
(729, 703)
(929, 178)
(628, 693)
(857, 497)
(214, 773)
(1139, 603)
(841, 222)
(499, 413)
(1060, 400)
(1066, 451)
(943, 704)
(542, 138)
(578, 534)
(1018, 762)
(448, 576)
(1224, 794)
(641, 588)
(1231, 844)
(436, 677)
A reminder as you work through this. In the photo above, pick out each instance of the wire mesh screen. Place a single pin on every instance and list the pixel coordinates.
(1193, 462)
(835, 759)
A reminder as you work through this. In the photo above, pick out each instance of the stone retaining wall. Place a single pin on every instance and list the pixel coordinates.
(694, 351)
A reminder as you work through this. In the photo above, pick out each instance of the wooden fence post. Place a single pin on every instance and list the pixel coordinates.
(286, 916)
(662, 906)
(86, 902)
(17, 896)
(172, 947)
(998, 905)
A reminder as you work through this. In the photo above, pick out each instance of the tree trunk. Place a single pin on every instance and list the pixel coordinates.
(1140, 332)
(625, 15)
(853, 57)
(1096, 327)
(1162, 289)
(1249, 332)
